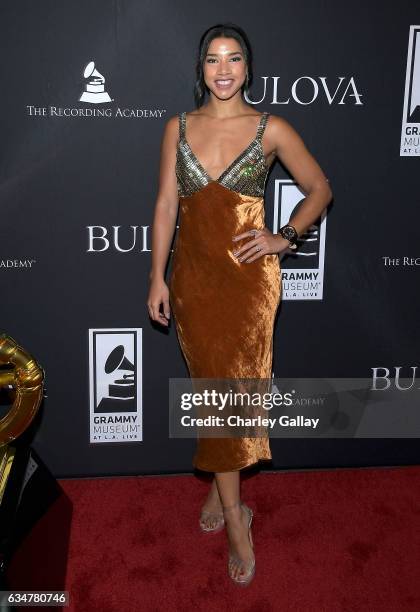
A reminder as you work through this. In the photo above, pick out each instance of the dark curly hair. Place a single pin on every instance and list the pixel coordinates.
(227, 30)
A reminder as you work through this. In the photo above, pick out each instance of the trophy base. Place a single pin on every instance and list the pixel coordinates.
(29, 491)
(95, 98)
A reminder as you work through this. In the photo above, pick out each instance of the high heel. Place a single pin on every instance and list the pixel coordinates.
(220, 521)
(248, 568)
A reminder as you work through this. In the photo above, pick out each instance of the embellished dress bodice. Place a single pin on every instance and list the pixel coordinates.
(247, 173)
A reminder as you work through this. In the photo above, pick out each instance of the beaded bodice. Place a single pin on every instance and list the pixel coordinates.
(247, 173)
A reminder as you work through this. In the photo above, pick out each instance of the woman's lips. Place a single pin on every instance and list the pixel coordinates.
(223, 83)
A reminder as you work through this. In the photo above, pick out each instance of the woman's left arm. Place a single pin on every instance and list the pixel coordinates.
(281, 138)
(292, 152)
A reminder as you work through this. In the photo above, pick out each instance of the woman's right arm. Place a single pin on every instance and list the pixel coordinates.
(164, 223)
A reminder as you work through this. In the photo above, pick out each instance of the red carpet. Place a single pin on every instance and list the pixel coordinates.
(325, 541)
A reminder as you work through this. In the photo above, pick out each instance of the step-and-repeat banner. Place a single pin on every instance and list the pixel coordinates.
(86, 91)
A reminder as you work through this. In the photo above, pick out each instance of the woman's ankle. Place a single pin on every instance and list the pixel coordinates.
(232, 512)
(213, 501)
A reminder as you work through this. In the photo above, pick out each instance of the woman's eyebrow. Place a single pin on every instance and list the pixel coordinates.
(230, 53)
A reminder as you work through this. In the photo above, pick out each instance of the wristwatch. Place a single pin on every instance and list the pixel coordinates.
(289, 233)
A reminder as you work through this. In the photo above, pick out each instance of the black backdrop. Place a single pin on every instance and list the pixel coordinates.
(71, 169)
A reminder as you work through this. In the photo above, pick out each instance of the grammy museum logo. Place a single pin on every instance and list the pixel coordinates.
(115, 385)
(410, 131)
(302, 271)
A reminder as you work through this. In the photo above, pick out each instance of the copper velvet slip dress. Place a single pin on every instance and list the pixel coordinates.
(224, 309)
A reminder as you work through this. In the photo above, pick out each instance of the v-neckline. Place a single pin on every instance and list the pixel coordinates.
(232, 164)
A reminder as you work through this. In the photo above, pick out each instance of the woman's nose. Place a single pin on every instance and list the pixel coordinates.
(224, 68)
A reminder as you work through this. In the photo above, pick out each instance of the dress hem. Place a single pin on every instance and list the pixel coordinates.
(231, 469)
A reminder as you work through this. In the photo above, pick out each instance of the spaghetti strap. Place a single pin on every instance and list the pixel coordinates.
(182, 119)
(262, 124)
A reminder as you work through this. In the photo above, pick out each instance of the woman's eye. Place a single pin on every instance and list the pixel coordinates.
(212, 60)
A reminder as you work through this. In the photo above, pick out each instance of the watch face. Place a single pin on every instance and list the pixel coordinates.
(289, 233)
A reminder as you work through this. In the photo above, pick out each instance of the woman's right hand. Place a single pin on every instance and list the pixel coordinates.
(159, 294)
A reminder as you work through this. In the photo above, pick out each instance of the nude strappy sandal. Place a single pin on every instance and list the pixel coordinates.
(247, 568)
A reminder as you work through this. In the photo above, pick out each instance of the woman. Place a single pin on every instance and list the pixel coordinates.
(225, 286)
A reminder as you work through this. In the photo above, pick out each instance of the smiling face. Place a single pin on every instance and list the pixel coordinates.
(224, 67)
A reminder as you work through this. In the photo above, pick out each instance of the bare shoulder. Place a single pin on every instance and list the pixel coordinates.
(171, 131)
(172, 124)
(280, 132)
(279, 126)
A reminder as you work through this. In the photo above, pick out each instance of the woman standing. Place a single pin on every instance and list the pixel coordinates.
(225, 286)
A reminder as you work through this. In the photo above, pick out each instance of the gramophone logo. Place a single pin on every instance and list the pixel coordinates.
(410, 133)
(94, 95)
(94, 87)
(115, 385)
(302, 271)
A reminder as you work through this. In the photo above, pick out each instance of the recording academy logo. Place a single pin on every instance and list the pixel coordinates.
(96, 102)
(115, 385)
(23, 264)
(94, 86)
(410, 131)
(303, 271)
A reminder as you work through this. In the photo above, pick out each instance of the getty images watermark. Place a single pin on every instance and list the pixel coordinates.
(294, 407)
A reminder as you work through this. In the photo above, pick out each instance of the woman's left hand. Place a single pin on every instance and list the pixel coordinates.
(263, 242)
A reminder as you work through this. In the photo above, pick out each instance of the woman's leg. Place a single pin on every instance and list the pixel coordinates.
(236, 519)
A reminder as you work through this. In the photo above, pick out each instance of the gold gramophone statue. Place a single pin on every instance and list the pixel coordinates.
(20, 373)
(26, 486)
